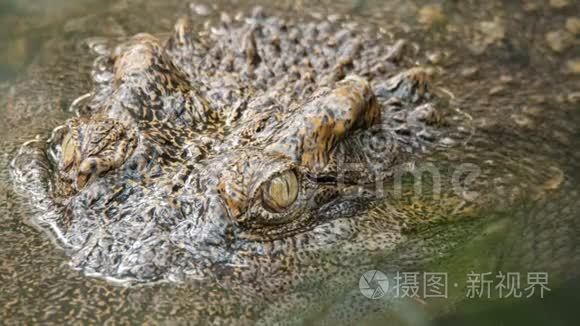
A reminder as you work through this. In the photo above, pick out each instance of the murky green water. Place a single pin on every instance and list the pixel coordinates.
(512, 66)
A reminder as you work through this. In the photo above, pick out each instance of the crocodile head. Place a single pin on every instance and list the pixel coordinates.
(239, 152)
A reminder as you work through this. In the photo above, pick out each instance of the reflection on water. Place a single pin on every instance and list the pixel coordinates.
(512, 66)
(25, 25)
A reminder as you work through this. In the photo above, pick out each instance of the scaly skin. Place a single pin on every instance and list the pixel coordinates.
(244, 155)
(157, 177)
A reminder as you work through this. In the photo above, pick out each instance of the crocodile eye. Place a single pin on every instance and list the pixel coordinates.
(69, 153)
(280, 192)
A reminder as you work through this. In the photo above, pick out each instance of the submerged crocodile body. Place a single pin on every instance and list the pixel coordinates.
(255, 153)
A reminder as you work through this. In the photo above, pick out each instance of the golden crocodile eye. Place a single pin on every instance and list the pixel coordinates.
(280, 192)
(68, 151)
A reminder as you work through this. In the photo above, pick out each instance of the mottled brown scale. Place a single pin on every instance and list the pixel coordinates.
(326, 121)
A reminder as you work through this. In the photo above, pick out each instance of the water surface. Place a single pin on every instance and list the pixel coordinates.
(512, 66)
